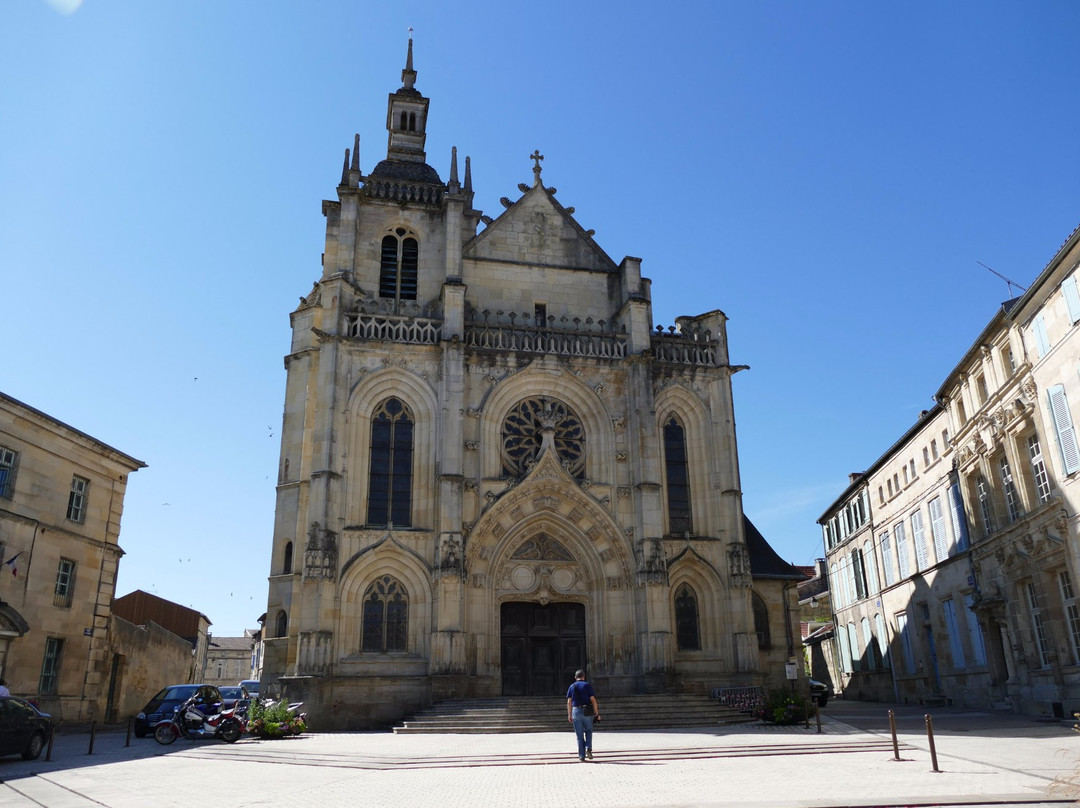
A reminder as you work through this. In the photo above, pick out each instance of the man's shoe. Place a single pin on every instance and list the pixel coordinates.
(588, 754)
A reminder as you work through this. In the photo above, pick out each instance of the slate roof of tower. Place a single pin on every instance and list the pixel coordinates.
(405, 170)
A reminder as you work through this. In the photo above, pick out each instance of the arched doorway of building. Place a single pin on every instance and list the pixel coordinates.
(542, 646)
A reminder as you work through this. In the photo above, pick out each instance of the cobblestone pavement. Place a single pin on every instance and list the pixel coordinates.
(984, 759)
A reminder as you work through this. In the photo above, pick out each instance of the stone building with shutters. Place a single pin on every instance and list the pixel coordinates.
(494, 469)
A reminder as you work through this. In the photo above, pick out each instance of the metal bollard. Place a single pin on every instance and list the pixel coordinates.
(48, 753)
(930, 735)
(817, 714)
(93, 731)
(892, 729)
(131, 721)
(805, 716)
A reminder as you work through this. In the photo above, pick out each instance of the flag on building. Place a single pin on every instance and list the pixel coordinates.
(13, 564)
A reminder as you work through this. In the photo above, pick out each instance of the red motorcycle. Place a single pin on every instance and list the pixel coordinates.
(190, 721)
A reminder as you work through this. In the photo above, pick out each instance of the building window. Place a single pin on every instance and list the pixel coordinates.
(386, 617)
(905, 642)
(281, 625)
(986, 507)
(856, 655)
(835, 586)
(76, 510)
(959, 520)
(937, 530)
(1038, 469)
(286, 564)
(1042, 342)
(980, 385)
(9, 462)
(919, 537)
(1063, 426)
(65, 583)
(902, 549)
(933, 449)
(953, 630)
(761, 622)
(398, 271)
(845, 650)
(49, 682)
(678, 478)
(926, 456)
(1072, 298)
(870, 568)
(887, 559)
(390, 478)
(522, 436)
(1008, 486)
(883, 642)
(686, 619)
(1038, 627)
(1072, 613)
(873, 655)
(859, 573)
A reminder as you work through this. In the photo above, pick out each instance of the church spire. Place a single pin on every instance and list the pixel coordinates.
(406, 117)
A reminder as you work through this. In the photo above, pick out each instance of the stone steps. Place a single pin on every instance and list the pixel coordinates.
(542, 714)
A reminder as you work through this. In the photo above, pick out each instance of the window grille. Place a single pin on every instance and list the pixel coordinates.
(50, 667)
(9, 460)
(65, 583)
(1038, 469)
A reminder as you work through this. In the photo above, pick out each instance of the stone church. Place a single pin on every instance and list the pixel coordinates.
(494, 468)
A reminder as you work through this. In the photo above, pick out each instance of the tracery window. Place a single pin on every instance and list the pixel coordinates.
(386, 616)
(686, 619)
(398, 268)
(522, 435)
(390, 477)
(678, 478)
(761, 622)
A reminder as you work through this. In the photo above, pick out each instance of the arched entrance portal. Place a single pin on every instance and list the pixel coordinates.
(542, 646)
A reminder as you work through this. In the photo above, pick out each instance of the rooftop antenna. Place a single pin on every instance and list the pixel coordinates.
(1011, 283)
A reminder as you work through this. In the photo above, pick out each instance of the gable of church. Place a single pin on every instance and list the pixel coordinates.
(538, 230)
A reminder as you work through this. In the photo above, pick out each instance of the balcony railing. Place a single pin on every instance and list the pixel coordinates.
(394, 321)
(560, 336)
(684, 347)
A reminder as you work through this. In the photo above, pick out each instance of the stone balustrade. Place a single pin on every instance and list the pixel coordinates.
(684, 347)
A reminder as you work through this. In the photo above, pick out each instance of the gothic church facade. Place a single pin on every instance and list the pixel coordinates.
(494, 470)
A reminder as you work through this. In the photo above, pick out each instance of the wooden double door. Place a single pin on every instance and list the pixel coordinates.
(542, 647)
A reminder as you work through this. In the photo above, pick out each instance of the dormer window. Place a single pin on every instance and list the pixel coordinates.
(398, 267)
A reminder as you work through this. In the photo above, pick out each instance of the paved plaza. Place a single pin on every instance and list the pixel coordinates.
(985, 759)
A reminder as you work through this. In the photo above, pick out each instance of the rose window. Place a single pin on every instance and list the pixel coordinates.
(522, 435)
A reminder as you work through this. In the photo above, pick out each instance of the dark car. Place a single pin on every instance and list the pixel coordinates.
(820, 692)
(24, 729)
(165, 702)
(231, 695)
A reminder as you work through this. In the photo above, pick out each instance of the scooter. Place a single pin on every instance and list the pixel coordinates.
(189, 721)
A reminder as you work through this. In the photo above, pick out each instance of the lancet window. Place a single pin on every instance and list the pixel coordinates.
(390, 477)
(398, 268)
(386, 616)
(687, 635)
(761, 622)
(678, 478)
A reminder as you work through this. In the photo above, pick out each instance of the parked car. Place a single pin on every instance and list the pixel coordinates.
(165, 701)
(251, 686)
(232, 694)
(24, 729)
(820, 692)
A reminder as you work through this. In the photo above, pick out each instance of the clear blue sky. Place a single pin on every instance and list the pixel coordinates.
(826, 173)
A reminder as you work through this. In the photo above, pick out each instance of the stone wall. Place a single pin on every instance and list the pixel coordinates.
(150, 659)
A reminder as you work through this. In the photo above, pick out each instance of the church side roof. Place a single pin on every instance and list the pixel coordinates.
(764, 562)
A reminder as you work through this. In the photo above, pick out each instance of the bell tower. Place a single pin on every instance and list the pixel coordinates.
(406, 118)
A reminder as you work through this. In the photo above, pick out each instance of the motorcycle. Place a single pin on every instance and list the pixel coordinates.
(191, 722)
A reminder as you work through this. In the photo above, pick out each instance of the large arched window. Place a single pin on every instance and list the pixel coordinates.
(678, 478)
(686, 619)
(390, 477)
(281, 625)
(398, 267)
(386, 616)
(761, 622)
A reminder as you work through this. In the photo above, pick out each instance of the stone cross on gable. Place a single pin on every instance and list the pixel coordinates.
(536, 156)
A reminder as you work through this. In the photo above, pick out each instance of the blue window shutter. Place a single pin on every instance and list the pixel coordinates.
(1063, 425)
(959, 517)
(1072, 298)
(1041, 340)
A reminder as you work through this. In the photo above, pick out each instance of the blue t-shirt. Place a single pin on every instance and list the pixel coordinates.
(580, 693)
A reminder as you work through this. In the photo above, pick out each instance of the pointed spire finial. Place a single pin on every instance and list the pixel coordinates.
(453, 166)
(408, 75)
(468, 175)
(345, 169)
(355, 165)
(536, 157)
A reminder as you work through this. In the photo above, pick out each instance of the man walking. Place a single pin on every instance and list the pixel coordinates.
(581, 711)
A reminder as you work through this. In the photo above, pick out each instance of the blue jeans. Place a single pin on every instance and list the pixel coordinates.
(583, 730)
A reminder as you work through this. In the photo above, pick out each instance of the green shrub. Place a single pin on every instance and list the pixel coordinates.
(784, 707)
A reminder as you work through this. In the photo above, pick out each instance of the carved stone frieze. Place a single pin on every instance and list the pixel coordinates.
(320, 554)
(739, 564)
(623, 492)
(653, 567)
